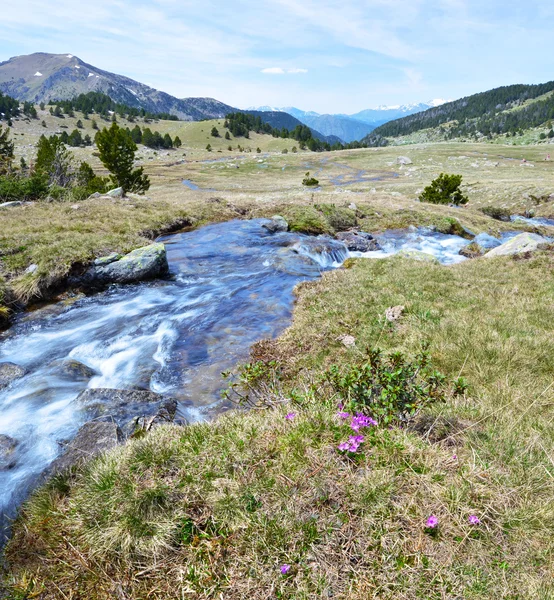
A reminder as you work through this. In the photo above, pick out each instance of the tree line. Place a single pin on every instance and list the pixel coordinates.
(488, 112)
(241, 124)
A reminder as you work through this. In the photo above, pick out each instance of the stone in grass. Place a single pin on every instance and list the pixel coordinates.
(116, 193)
(403, 160)
(276, 224)
(347, 340)
(10, 372)
(418, 255)
(520, 244)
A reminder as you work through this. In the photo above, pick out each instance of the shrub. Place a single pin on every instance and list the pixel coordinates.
(500, 214)
(215, 132)
(445, 189)
(388, 388)
(310, 181)
(16, 187)
(339, 218)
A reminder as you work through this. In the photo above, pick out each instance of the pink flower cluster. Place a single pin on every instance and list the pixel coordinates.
(353, 443)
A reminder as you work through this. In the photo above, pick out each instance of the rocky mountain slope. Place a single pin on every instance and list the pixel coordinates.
(42, 77)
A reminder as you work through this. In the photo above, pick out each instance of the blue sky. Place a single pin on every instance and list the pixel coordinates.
(322, 55)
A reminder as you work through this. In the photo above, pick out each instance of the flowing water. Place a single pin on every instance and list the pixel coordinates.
(231, 284)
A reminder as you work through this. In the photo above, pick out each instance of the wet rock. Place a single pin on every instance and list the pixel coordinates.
(418, 255)
(520, 244)
(472, 250)
(127, 407)
(107, 260)
(276, 224)
(8, 448)
(403, 160)
(91, 440)
(115, 193)
(358, 241)
(486, 241)
(74, 369)
(143, 264)
(10, 372)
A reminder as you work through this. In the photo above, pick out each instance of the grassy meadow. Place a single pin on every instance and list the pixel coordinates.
(262, 503)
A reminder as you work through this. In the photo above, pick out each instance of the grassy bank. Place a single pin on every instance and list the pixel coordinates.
(216, 510)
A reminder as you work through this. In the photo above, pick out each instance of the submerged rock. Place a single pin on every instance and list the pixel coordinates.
(74, 369)
(472, 250)
(142, 264)
(487, 241)
(91, 440)
(10, 372)
(418, 255)
(276, 224)
(520, 244)
(127, 407)
(358, 241)
(8, 448)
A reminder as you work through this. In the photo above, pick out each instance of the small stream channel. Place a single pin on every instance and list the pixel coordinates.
(231, 284)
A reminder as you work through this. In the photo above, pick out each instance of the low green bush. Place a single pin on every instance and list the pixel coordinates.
(445, 189)
(500, 214)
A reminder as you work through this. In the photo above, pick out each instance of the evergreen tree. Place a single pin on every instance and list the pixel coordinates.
(227, 135)
(445, 189)
(6, 150)
(42, 105)
(54, 160)
(94, 124)
(44, 123)
(79, 124)
(177, 142)
(215, 132)
(209, 147)
(58, 112)
(117, 153)
(136, 134)
(167, 141)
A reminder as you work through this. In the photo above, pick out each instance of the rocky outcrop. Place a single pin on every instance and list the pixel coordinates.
(91, 440)
(142, 264)
(10, 372)
(8, 447)
(128, 408)
(73, 369)
(358, 241)
(520, 244)
(417, 255)
(276, 224)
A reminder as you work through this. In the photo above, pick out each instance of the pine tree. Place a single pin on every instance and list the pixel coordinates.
(79, 124)
(117, 153)
(167, 141)
(227, 135)
(6, 150)
(54, 160)
(136, 134)
(215, 132)
(94, 124)
(177, 142)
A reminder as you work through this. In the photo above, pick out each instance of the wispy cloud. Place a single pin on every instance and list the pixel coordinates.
(358, 53)
(281, 71)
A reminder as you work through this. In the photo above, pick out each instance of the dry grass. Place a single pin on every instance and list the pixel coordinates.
(213, 510)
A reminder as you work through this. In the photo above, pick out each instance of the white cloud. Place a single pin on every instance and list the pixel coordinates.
(281, 71)
(274, 71)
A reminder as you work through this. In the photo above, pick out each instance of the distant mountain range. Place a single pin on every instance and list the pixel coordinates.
(42, 77)
(354, 127)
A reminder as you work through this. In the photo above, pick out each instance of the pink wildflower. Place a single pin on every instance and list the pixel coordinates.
(474, 520)
(432, 522)
(343, 415)
(290, 416)
(343, 446)
(360, 421)
(284, 569)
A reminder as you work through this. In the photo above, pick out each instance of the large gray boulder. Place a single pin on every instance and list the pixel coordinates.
(358, 241)
(128, 408)
(94, 438)
(403, 160)
(142, 264)
(10, 372)
(8, 448)
(520, 244)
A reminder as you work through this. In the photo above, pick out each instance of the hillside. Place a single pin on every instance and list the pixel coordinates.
(43, 77)
(348, 130)
(504, 110)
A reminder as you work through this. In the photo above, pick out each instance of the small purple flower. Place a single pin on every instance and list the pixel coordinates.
(343, 415)
(284, 569)
(290, 416)
(474, 520)
(343, 446)
(432, 522)
(360, 421)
